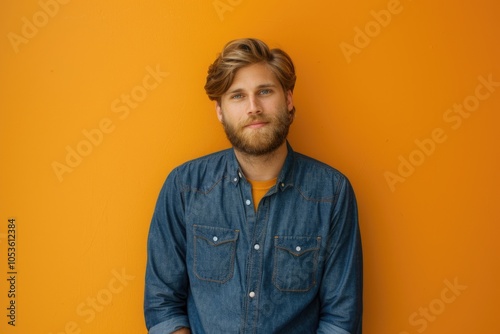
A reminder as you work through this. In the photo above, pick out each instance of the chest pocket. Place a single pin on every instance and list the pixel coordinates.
(295, 262)
(214, 253)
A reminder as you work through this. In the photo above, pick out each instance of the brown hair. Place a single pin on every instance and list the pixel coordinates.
(243, 52)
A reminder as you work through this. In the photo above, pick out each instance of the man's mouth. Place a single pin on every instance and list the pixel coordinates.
(256, 125)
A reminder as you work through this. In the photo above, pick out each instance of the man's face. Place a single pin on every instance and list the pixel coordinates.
(255, 111)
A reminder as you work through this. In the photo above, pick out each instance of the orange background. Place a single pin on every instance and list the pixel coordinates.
(67, 68)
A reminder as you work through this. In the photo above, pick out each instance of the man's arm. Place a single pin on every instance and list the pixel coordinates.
(341, 292)
(166, 276)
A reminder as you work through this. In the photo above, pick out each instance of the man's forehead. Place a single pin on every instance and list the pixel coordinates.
(253, 77)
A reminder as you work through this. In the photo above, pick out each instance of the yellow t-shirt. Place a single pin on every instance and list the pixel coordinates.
(259, 189)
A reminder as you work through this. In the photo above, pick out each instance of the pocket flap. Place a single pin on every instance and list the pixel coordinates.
(215, 235)
(297, 245)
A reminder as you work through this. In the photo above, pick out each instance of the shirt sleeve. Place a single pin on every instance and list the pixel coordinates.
(166, 276)
(341, 293)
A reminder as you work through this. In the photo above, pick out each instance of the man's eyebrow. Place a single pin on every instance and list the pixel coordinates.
(267, 85)
(236, 90)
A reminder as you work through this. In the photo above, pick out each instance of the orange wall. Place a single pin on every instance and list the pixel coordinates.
(402, 96)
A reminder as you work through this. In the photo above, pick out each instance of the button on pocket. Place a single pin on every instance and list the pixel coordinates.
(295, 262)
(214, 253)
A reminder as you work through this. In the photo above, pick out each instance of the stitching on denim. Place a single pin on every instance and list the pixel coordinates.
(331, 199)
(232, 252)
(188, 188)
(312, 273)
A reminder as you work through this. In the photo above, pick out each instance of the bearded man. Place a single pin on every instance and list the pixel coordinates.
(256, 238)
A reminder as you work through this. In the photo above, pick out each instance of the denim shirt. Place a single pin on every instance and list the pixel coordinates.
(218, 266)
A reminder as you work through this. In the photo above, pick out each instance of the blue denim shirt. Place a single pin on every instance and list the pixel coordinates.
(218, 266)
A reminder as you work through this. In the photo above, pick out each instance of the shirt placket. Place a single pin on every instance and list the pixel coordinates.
(256, 224)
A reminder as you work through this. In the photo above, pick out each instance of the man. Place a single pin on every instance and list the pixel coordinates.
(257, 238)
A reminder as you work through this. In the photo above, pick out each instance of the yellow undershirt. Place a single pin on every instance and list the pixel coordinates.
(259, 189)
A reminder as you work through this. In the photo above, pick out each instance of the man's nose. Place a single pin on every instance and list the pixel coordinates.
(254, 106)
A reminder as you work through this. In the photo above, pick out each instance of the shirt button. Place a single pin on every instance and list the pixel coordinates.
(247, 202)
(256, 247)
(215, 238)
(251, 294)
(235, 179)
(298, 248)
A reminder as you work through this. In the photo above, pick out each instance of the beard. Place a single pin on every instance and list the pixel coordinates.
(260, 141)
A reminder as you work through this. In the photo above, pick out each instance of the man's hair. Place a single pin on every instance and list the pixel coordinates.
(244, 52)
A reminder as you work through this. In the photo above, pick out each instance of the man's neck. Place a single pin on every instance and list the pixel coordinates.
(262, 167)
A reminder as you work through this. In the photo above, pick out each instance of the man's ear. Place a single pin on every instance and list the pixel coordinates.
(218, 109)
(289, 100)
(290, 106)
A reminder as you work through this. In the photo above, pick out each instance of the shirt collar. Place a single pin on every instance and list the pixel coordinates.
(285, 178)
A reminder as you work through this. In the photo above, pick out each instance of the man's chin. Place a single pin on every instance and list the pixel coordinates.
(257, 149)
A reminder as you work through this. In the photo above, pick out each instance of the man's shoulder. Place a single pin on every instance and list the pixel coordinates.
(210, 158)
(308, 164)
(317, 179)
(207, 168)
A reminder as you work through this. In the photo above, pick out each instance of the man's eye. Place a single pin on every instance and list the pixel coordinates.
(265, 92)
(237, 96)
